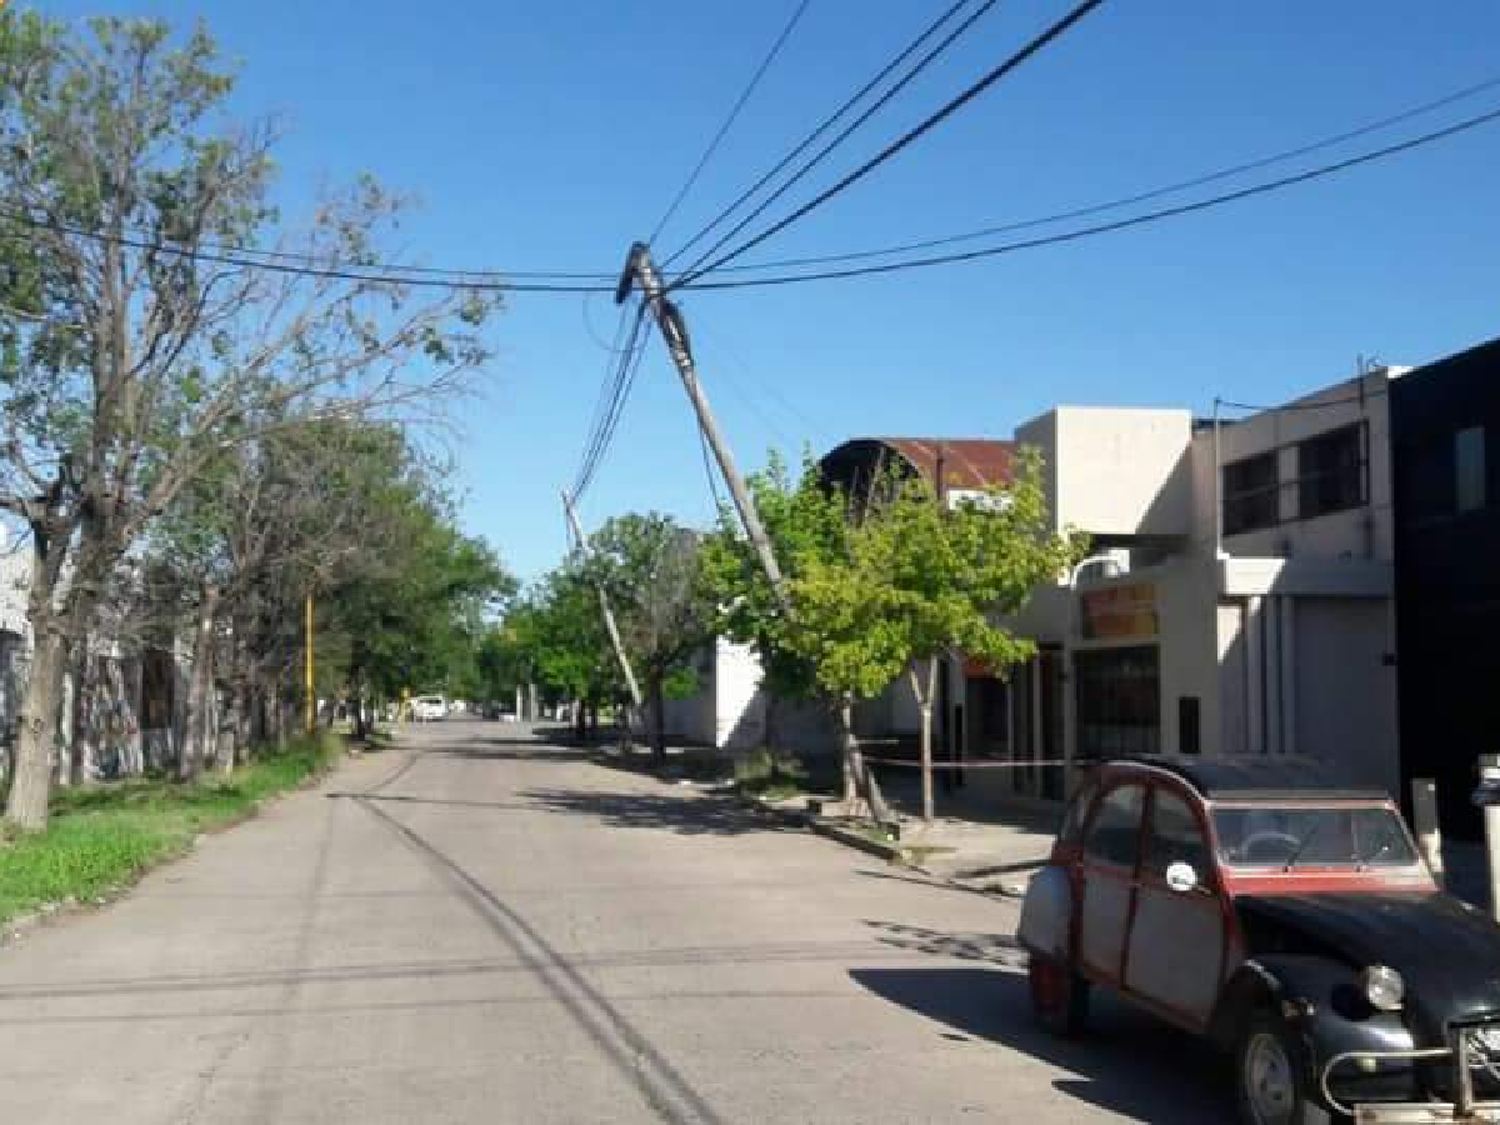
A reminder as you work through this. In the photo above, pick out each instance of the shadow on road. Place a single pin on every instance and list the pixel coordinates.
(510, 806)
(998, 949)
(1126, 1063)
(674, 812)
(499, 750)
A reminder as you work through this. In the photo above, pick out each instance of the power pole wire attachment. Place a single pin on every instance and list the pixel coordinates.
(639, 269)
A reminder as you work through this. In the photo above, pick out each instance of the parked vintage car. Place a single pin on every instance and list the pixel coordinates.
(1289, 919)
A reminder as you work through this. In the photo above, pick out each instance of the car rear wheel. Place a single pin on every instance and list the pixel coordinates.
(1059, 995)
(1275, 1078)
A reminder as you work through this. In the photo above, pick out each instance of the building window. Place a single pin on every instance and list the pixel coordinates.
(1468, 469)
(1251, 490)
(1331, 472)
(1119, 701)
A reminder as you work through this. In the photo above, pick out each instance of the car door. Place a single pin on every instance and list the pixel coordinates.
(1111, 847)
(1175, 959)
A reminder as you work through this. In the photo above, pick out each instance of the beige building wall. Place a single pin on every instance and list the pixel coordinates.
(1116, 470)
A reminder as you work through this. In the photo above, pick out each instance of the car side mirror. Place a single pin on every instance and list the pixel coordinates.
(1181, 877)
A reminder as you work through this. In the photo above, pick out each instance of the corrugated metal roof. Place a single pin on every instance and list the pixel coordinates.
(968, 463)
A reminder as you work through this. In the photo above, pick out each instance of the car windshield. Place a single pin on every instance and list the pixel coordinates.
(1294, 836)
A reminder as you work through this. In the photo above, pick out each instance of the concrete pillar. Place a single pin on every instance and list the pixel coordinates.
(1290, 744)
(1270, 639)
(1255, 663)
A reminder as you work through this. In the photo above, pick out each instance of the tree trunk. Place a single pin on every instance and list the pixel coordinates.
(859, 779)
(276, 711)
(357, 697)
(78, 742)
(658, 720)
(768, 730)
(849, 752)
(580, 723)
(198, 735)
(36, 727)
(924, 705)
(593, 710)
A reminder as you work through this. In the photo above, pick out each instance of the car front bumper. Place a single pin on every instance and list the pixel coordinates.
(1425, 1113)
(1464, 1109)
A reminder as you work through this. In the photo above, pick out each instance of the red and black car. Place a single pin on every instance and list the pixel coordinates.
(1287, 917)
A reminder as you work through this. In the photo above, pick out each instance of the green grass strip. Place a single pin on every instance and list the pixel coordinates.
(102, 837)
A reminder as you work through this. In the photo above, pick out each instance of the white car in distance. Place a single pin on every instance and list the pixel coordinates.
(429, 708)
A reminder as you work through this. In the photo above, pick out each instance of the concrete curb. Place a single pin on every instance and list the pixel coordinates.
(895, 853)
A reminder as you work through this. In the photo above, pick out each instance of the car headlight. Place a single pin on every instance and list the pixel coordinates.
(1384, 988)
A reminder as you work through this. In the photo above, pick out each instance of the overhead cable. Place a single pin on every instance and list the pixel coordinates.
(1058, 29)
(1139, 197)
(822, 154)
(734, 113)
(1148, 217)
(273, 262)
(828, 122)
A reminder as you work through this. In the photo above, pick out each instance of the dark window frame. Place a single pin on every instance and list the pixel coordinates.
(1236, 498)
(1243, 503)
(1102, 857)
(1313, 498)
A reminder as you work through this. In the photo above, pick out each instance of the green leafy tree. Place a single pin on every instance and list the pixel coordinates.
(416, 615)
(128, 358)
(810, 530)
(650, 568)
(885, 589)
(569, 648)
(932, 580)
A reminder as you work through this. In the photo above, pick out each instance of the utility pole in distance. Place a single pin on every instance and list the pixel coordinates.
(640, 268)
(604, 608)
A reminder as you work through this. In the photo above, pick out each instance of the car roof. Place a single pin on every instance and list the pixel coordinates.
(1279, 777)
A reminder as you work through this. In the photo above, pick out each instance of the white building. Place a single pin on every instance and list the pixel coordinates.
(1239, 600)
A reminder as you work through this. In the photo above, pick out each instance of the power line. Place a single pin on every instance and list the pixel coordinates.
(817, 158)
(734, 113)
(827, 123)
(1058, 29)
(147, 239)
(708, 471)
(1140, 197)
(1320, 404)
(379, 274)
(620, 385)
(1148, 217)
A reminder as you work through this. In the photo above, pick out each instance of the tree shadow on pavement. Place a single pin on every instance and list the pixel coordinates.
(999, 949)
(491, 750)
(689, 815)
(1124, 1063)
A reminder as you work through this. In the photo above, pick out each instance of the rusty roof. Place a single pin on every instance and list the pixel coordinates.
(967, 462)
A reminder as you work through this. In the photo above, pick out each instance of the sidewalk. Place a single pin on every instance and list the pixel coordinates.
(976, 839)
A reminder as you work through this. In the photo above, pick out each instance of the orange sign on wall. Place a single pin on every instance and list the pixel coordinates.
(1119, 611)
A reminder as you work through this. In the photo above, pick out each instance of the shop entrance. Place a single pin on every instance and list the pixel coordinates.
(1119, 701)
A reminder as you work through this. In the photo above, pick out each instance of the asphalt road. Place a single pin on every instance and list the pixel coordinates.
(500, 930)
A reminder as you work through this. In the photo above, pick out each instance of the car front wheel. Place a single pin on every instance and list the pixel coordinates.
(1275, 1080)
(1059, 995)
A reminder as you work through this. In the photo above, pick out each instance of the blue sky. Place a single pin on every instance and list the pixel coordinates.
(550, 133)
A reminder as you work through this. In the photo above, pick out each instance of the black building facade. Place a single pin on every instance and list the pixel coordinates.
(1445, 436)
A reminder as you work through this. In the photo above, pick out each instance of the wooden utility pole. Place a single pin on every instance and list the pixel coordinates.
(609, 614)
(640, 268)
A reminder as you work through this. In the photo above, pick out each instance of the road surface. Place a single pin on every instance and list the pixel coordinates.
(500, 930)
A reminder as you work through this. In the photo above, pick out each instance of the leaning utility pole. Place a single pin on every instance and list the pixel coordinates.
(640, 268)
(609, 614)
